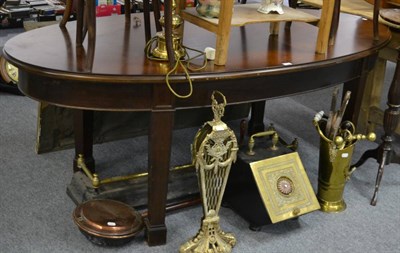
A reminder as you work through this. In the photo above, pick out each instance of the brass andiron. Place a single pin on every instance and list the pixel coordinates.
(334, 163)
(214, 150)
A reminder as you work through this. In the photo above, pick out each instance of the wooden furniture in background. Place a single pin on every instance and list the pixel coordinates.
(243, 14)
(86, 21)
(385, 153)
(371, 115)
(386, 3)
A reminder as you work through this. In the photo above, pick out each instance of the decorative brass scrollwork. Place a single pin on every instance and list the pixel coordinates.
(214, 152)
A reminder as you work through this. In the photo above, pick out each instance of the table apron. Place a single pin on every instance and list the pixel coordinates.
(133, 96)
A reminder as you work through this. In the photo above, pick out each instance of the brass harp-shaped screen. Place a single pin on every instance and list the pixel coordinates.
(214, 150)
(213, 163)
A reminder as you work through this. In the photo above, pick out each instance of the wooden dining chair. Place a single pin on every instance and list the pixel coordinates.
(222, 26)
(86, 17)
(86, 21)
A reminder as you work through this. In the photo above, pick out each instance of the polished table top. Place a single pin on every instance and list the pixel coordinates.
(120, 64)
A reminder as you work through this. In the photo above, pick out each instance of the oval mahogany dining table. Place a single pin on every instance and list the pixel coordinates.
(114, 74)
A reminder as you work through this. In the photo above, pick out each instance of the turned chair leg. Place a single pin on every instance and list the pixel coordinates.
(86, 18)
(335, 22)
(375, 18)
(81, 27)
(90, 21)
(67, 13)
(292, 4)
(79, 21)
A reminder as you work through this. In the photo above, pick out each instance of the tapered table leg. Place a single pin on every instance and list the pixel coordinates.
(256, 123)
(160, 141)
(83, 130)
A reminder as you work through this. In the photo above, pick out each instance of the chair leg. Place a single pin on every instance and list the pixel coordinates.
(89, 20)
(67, 13)
(127, 4)
(168, 32)
(146, 15)
(157, 15)
(375, 18)
(292, 4)
(223, 33)
(79, 21)
(335, 22)
(324, 26)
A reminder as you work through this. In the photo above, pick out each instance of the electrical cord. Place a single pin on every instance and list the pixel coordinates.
(179, 62)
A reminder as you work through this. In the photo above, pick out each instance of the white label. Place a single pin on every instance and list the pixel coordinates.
(345, 155)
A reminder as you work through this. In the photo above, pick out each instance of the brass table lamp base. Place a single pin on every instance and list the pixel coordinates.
(160, 51)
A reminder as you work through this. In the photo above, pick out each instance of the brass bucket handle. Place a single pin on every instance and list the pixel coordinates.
(317, 119)
(275, 139)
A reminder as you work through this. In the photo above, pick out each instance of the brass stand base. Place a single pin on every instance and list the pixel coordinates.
(210, 239)
(332, 206)
(160, 51)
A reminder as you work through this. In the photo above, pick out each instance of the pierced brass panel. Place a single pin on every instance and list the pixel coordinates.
(284, 187)
(8, 72)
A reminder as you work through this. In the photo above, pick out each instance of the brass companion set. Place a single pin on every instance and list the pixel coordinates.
(337, 141)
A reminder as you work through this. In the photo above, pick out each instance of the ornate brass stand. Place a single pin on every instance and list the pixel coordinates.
(214, 150)
(160, 51)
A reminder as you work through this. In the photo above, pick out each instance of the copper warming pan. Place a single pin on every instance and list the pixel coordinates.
(107, 222)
